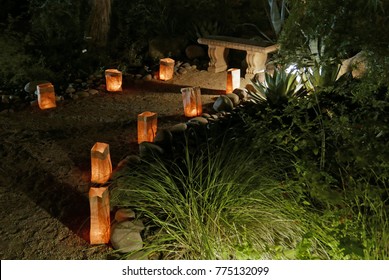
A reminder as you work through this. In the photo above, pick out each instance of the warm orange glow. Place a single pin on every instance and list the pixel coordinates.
(46, 96)
(101, 163)
(166, 69)
(147, 126)
(100, 221)
(233, 79)
(113, 80)
(191, 98)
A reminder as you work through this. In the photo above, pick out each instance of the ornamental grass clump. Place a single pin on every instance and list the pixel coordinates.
(217, 204)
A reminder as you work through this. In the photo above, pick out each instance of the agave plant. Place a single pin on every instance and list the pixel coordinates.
(320, 76)
(277, 89)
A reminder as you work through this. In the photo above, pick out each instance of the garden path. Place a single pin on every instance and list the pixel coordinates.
(45, 162)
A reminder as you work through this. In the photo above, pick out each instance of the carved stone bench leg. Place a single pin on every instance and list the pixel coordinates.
(256, 63)
(218, 59)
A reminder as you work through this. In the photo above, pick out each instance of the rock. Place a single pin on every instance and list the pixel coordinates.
(182, 71)
(163, 137)
(30, 87)
(206, 115)
(125, 236)
(187, 66)
(5, 99)
(138, 76)
(234, 98)
(34, 103)
(199, 120)
(242, 93)
(148, 77)
(74, 96)
(124, 214)
(162, 47)
(180, 127)
(194, 51)
(70, 90)
(93, 91)
(150, 149)
(129, 160)
(82, 94)
(214, 116)
(223, 103)
(59, 98)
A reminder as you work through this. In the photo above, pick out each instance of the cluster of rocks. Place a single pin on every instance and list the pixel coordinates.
(126, 231)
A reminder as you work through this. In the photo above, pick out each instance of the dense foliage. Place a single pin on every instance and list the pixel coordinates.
(334, 30)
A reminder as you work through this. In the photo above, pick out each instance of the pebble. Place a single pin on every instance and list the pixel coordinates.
(180, 127)
(124, 214)
(125, 236)
(82, 93)
(182, 71)
(199, 120)
(234, 98)
(74, 96)
(5, 99)
(223, 103)
(148, 77)
(93, 91)
(70, 90)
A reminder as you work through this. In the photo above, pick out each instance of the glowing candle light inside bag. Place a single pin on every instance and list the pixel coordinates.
(191, 97)
(166, 69)
(46, 96)
(100, 221)
(147, 127)
(101, 163)
(113, 80)
(233, 79)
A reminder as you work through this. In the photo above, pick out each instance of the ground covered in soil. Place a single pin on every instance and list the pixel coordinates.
(45, 161)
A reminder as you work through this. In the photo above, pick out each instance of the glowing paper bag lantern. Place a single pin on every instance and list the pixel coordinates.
(46, 96)
(147, 127)
(113, 80)
(233, 79)
(101, 163)
(100, 221)
(166, 69)
(191, 97)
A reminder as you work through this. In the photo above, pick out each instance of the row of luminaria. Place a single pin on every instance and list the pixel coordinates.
(101, 166)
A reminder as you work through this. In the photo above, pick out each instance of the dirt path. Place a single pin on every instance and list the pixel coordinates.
(45, 162)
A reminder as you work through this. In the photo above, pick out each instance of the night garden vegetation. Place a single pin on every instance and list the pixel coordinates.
(314, 149)
(308, 178)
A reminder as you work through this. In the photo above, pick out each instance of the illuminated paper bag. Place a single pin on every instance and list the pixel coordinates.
(233, 79)
(191, 97)
(101, 166)
(147, 127)
(166, 69)
(113, 80)
(100, 222)
(46, 96)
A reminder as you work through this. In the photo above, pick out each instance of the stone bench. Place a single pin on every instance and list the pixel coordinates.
(218, 47)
